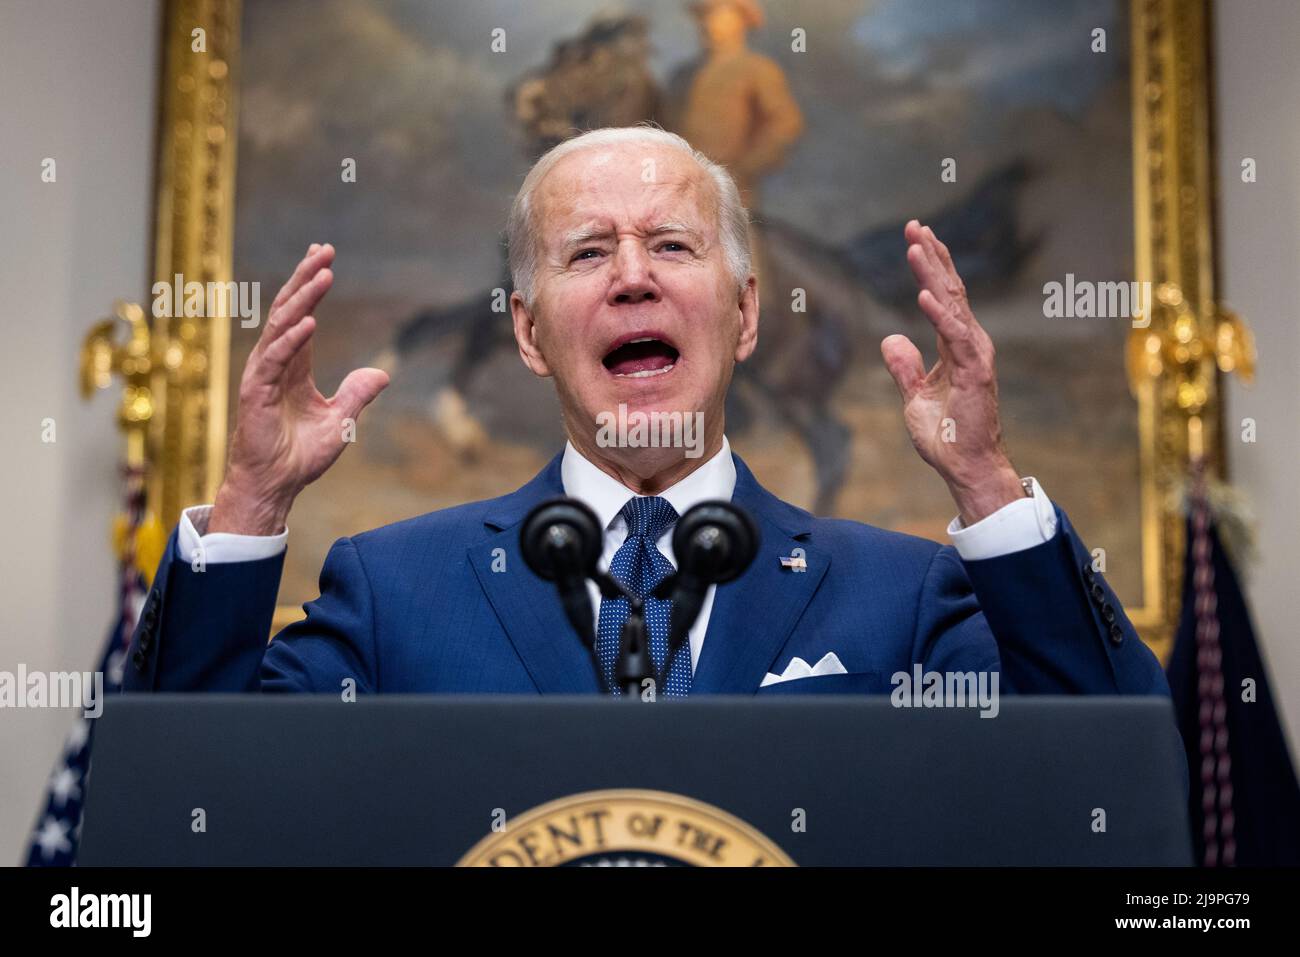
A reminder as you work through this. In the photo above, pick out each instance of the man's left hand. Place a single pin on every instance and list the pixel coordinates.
(952, 411)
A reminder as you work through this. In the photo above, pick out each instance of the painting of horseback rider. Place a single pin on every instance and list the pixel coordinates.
(839, 123)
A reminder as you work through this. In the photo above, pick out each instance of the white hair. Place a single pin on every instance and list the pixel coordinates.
(522, 241)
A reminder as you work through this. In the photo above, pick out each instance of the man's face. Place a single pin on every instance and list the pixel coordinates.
(633, 301)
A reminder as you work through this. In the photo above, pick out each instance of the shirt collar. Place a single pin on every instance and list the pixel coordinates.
(606, 495)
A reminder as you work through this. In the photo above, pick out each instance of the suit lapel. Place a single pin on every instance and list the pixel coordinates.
(528, 607)
(753, 616)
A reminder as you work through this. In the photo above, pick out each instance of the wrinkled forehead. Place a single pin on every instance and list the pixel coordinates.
(616, 189)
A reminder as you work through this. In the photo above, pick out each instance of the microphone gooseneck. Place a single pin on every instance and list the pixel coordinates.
(714, 542)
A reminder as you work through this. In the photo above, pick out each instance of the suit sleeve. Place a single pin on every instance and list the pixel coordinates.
(205, 629)
(1042, 616)
(334, 649)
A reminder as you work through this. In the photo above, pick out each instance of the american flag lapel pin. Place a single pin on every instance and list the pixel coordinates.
(794, 563)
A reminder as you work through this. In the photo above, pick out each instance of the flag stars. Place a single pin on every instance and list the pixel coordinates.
(52, 837)
(65, 783)
(78, 736)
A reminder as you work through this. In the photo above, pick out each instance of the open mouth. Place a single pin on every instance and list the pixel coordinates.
(641, 358)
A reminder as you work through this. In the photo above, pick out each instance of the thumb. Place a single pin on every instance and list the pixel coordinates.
(358, 390)
(903, 360)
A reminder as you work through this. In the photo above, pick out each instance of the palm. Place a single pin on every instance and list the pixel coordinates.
(310, 426)
(926, 411)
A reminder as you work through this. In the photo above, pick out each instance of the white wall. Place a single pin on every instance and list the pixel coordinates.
(1259, 228)
(77, 83)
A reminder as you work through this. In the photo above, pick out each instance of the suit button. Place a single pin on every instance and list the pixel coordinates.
(1088, 575)
(1108, 614)
(1116, 635)
(138, 660)
(146, 639)
(1098, 593)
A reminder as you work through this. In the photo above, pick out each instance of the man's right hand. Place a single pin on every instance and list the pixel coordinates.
(286, 433)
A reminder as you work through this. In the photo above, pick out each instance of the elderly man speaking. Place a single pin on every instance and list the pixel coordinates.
(633, 287)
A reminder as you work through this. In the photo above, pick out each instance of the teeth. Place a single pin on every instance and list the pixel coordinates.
(642, 339)
(645, 373)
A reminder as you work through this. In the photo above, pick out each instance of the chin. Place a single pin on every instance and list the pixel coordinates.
(651, 421)
(647, 395)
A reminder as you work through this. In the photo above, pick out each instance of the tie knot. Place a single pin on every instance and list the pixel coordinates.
(648, 516)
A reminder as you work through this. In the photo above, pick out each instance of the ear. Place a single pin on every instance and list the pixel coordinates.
(526, 336)
(748, 306)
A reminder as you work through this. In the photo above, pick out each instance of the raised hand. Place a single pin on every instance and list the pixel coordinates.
(952, 411)
(286, 433)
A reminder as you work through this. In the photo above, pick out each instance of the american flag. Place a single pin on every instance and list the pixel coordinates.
(1244, 795)
(58, 828)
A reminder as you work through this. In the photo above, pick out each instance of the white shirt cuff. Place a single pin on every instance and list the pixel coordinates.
(196, 548)
(1015, 527)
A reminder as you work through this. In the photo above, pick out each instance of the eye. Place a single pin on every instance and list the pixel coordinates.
(585, 253)
(679, 247)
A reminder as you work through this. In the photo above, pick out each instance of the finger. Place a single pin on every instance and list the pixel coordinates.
(277, 356)
(926, 271)
(903, 360)
(956, 336)
(358, 390)
(919, 262)
(941, 251)
(953, 289)
(317, 256)
(302, 302)
(942, 278)
(927, 245)
(914, 233)
(957, 288)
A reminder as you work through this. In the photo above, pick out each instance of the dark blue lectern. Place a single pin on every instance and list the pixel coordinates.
(810, 780)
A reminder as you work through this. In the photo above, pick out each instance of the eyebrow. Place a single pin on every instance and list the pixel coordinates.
(587, 234)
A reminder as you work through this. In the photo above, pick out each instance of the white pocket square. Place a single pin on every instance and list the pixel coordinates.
(798, 668)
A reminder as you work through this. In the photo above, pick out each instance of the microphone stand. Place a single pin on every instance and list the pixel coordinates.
(635, 666)
(678, 629)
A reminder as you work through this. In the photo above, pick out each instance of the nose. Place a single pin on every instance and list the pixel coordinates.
(632, 280)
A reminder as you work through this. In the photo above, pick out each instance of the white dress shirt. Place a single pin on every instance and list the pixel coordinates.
(606, 496)
(1022, 524)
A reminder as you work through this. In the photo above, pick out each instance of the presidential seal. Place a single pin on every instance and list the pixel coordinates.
(625, 828)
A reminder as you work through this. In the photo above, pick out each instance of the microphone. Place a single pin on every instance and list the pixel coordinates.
(714, 542)
(561, 541)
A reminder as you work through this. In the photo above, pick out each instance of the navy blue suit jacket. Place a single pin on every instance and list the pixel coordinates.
(417, 607)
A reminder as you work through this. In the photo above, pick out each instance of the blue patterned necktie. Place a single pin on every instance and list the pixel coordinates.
(640, 566)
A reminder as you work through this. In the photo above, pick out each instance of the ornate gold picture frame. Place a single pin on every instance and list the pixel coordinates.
(180, 384)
